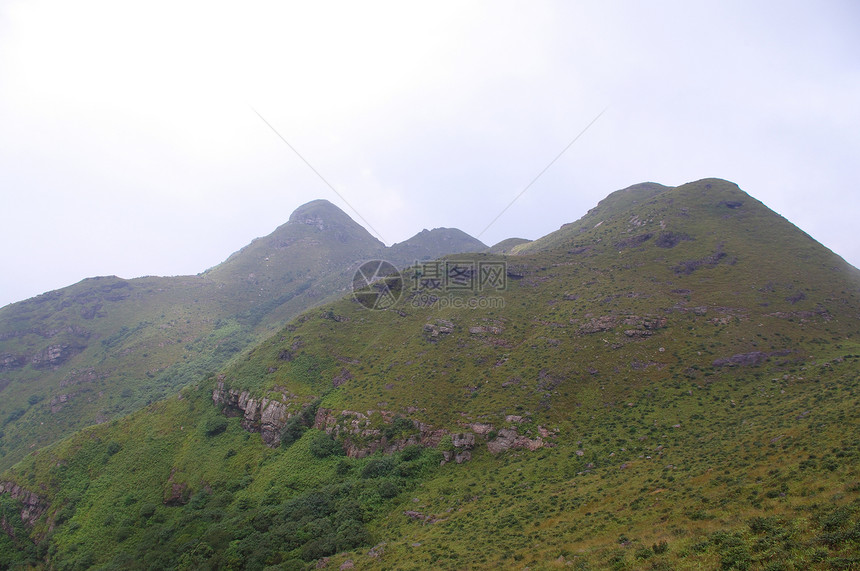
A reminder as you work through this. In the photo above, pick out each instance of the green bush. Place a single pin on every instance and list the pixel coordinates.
(343, 467)
(323, 446)
(660, 547)
(215, 426)
(147, 510)
(292, 430)
(388, 489)
(14, 415)
(412, 452)
(377, 467)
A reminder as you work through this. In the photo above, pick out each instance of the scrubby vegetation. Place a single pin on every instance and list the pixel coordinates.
(613, 413)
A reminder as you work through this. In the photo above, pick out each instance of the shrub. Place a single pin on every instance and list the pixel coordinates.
(298, 423)
(446, 444)
(377, 467)
(292, 430)
(343, 467)
(660, 547)
(388, 489)
(323, 446)
(14, 415)
(351, 534)
(215, 426)
(412, 452)
(320, 547)
(147, 510)
(409, 469)
(399, 425)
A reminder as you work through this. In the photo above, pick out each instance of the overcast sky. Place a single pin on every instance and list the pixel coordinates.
(129, 144)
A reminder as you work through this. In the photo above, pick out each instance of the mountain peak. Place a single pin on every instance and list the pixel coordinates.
(320, 213)
(435, 243)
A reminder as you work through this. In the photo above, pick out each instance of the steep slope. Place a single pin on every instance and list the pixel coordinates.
(670, 382)
(107, 346)
(300, 264)
(104, 347)
(619, 202)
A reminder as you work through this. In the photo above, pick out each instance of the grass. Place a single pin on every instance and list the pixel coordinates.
(128, 343)
(690, 419)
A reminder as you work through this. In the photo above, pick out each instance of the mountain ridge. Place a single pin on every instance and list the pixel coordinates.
(139, 339)
(667, 383)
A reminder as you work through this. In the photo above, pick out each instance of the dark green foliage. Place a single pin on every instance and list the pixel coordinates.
(296, 425)
(377, 467)
(323, 446)
(293, 430)
(412, 452)
(399, 427)
(660, 547)
(388, 489)
(147, 510)
(215, 426)
(15, 547)
(14, 415)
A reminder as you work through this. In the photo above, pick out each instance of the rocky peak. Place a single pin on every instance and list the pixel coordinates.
(321, 214)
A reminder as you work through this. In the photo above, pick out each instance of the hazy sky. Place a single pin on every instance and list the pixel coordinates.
(129, 144)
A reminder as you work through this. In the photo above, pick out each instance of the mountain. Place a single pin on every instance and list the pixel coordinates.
(506, 246)
(670, 382)
(432, 244)
(107, 346)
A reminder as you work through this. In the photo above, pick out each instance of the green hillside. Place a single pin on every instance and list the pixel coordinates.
(107, 346)
(669, 383)
(506, 246)
(433, 244)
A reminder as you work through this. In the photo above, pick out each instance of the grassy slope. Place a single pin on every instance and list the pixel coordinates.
(654, 440)
(131, 342)
(432, 244)
(506, 246)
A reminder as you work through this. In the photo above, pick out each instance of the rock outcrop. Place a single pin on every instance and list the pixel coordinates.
(32, 506)
(266, 416)
(508, 438)
(365, 433)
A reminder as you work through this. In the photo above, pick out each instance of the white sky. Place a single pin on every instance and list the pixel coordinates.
(129, 146)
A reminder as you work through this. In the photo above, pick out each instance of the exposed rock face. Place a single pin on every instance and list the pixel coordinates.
(51, 356)
(464, 440)
(266, 416)
(59, 401)
(177, 495)
(752, 359)
(341, 377)
(32, 506)
(362, 433)
(9, 362)
(458, 457)
(441, 327)
(598, 325)
(361, 440)
(508, 438)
